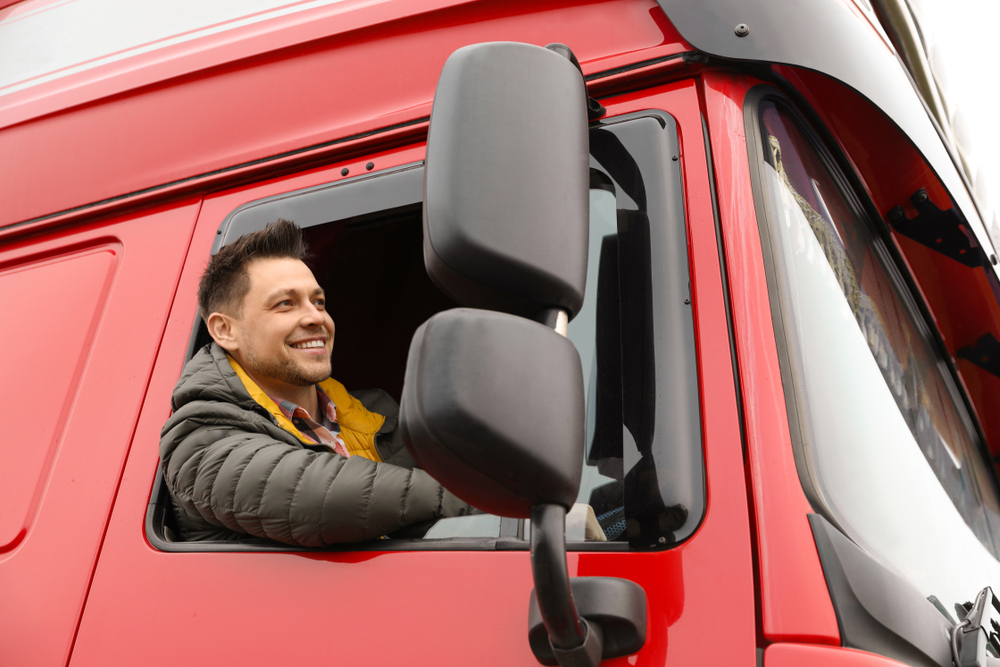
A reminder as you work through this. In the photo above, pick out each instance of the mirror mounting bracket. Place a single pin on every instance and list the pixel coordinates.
(594, 108)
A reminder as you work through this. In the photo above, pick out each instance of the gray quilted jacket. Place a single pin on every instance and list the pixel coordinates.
(232, 471)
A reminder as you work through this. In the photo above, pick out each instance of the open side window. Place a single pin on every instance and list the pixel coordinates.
(644, 468)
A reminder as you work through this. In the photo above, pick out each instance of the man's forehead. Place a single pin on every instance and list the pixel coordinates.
(271, 276)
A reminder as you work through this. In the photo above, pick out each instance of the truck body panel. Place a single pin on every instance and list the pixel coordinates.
(118, 175)
(47, 567)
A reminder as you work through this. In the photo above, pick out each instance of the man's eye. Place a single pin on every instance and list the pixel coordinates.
(286, 302)
(320, 303)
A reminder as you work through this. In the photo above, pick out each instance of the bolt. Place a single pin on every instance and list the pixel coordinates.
(345, 171)
(921, 196)
(662, 540)
(674, 158)
(687, 301)
(370, 166)
(896, 214)
(742, 30)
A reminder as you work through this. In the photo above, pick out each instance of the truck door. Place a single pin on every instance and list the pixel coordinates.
(663, 456)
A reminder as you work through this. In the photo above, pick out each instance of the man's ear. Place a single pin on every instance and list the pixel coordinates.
(222, 329)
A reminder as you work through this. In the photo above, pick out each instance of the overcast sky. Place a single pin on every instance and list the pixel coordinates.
(964, 40)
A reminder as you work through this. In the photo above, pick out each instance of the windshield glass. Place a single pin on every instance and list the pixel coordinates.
(889, 451)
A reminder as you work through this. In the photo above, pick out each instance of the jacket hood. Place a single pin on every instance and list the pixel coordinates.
(210, 377)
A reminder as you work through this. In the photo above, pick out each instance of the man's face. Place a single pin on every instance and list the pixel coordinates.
(284, 333)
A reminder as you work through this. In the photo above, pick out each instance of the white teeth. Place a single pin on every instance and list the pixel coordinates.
(312, 343)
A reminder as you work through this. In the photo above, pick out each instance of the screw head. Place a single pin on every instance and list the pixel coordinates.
(345, 171)
(662, 540)
(742, 30)
(370, 166)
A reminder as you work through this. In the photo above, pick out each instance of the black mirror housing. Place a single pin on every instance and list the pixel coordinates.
(506, 203)
(493, 404)
(493, 407)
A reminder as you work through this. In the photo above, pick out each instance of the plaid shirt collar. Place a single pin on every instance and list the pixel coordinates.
(324, 432)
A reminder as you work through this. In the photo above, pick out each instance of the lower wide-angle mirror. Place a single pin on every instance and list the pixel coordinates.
(493, 408)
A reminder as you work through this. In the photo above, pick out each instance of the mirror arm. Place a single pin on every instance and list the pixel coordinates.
(555, 318)
(548, 565)
(575, 642)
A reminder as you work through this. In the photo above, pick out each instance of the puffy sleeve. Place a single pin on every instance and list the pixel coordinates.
(247, 477)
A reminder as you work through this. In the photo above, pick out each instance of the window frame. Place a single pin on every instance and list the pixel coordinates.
(383, 191)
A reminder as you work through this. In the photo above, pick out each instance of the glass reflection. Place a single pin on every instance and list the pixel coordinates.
(886, 439)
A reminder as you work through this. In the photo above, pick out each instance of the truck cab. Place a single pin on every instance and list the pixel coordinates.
(789, 339)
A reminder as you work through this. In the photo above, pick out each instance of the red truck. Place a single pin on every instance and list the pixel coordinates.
(789, 342)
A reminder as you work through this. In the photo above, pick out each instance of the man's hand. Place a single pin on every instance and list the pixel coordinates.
(582, 515)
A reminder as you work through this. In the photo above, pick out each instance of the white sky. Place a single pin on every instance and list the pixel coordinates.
(963, 38)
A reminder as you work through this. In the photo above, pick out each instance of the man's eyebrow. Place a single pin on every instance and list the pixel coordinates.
(287, 291)
(283, 291)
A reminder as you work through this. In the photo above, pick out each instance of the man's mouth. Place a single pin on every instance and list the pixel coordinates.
(309, 344)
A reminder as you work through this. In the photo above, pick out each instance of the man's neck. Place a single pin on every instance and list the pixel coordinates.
(304, 397)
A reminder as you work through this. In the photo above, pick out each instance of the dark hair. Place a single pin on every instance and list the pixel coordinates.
(226, 280)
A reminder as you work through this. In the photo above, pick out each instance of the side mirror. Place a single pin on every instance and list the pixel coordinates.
(493, 404)
(506, 185)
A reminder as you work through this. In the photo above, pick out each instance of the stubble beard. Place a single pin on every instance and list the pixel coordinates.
(286, 371)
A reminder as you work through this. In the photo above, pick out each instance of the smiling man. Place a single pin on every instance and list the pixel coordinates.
(262, 441)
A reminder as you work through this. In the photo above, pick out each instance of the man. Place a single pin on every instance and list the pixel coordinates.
(262, 441)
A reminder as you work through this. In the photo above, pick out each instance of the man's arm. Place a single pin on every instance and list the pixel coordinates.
(260, 484)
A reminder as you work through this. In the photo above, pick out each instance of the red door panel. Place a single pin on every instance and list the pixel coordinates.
(43, 366)
(84, 313)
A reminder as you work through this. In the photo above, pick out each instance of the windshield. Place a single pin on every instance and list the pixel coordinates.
(889, 452)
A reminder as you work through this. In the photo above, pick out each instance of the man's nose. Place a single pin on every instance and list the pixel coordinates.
(312, 316)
